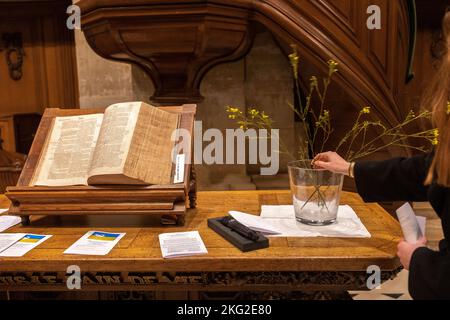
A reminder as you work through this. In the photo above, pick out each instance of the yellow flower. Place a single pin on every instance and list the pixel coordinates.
(332, 66)
(294, 58)
(411, 115)
(365, 110)
(264, 116)
(313, 81)
(232, 110)
(232, 116)
(436, 133)
(448, 107)
(435, 140)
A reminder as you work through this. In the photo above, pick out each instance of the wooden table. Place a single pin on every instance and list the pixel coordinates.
(290, 267)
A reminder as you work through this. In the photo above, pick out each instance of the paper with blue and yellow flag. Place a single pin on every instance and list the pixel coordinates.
(95, 243)
(24, 244)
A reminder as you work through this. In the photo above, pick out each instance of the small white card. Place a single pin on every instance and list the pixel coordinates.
(21, 247)
(7, 222)
(181, 244)
(97, 243)
(179, 168)
(8, 239)
(256, 223)
(413, 227)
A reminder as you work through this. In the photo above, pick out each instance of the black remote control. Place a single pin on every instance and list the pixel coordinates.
(238, 227)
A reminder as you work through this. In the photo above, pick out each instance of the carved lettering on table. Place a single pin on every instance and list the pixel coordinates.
(245, 280)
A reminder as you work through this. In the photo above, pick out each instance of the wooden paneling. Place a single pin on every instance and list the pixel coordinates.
(380, 42)
(49, 66)
(8, 141)
(346, 14)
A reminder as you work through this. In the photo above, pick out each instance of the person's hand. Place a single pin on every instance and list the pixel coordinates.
(331, 161)
(405, 250)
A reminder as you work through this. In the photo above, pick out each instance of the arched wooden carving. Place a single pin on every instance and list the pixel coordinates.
(177, 42)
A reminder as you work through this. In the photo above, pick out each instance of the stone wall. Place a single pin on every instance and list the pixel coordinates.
(261, 80)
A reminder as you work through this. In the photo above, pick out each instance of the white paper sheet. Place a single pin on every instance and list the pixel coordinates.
(179, 168)
(7, 222)
(422, 221)
(25, 244)
(181, 244)
(8, 239)
(256, 223)
(413, 227)
(97, 243)
(281, 220)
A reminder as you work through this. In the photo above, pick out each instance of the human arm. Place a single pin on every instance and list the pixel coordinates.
(397, 179)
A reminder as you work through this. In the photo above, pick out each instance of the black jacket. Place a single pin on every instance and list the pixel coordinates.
(402, 179)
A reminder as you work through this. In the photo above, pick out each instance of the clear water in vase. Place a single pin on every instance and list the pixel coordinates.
(315, 193)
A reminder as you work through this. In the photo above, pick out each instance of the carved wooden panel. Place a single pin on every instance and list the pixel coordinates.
(176, 46)
(346, 15)
(48, 70)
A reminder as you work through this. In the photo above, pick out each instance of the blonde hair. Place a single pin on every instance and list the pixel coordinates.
(437, 97)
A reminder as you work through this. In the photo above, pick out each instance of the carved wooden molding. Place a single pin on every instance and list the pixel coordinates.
(175, 46)
(14, 53)
(203, 281)
(177, 43)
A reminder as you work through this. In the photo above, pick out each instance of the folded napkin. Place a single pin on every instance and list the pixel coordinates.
(280, 221)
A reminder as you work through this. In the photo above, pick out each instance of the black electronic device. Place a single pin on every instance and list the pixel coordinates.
(241, 238)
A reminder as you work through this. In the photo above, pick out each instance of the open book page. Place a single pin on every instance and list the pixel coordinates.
(114, 140)
(150, 155)
(68, 151)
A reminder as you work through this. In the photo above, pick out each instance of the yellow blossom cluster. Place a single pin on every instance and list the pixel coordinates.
(313, 82)
(332, 66)
(253, 113)
(357, 142)
(365, 110)
(435, 140)
(233, 112)
(294, 59)
(324, 119)
(253, 118)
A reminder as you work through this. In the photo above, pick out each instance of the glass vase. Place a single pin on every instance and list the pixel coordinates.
(315, 192)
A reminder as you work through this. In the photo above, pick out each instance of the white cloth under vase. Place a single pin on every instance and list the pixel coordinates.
(281, 221)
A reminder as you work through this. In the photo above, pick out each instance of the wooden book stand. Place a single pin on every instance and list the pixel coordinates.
(167, 201)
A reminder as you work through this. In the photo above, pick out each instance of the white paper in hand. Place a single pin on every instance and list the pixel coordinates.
(412, 229)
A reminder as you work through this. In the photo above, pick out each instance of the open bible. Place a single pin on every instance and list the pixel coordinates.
(131, 143)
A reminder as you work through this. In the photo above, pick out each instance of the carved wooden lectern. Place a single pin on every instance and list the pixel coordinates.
(168, 201)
